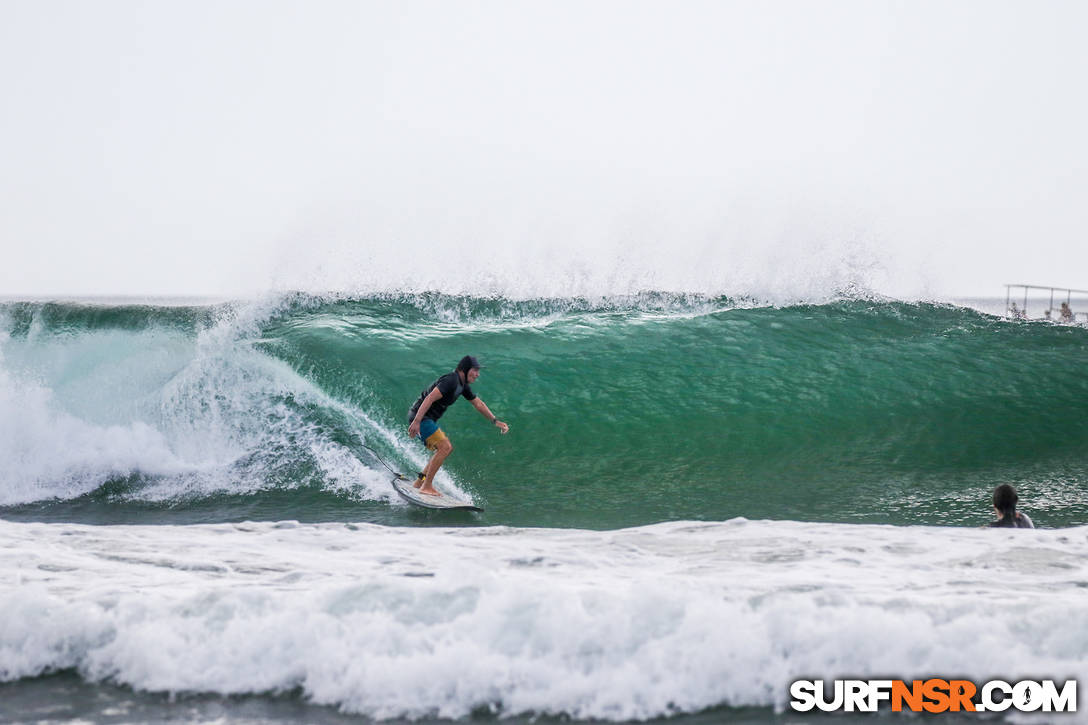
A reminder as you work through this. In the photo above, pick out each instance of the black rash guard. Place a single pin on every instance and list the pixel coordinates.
(451, 387)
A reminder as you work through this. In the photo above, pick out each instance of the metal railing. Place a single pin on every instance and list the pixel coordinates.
(1011, 310)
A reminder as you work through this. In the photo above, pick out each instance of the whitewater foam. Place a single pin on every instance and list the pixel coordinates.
(50, 453)
(186, 411)
(618, 625)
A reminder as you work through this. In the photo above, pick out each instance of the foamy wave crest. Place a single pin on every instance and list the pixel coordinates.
(49, 453)
(620, 625)
(90, 455)
(189, 412)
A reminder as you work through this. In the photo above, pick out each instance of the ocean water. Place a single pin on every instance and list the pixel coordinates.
(700, 500)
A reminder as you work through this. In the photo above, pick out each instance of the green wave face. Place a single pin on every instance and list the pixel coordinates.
(622, 412)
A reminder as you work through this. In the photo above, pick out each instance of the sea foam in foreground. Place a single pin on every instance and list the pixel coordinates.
(617, 625)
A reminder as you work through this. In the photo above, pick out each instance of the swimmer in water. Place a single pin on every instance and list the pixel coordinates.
(1008, 517)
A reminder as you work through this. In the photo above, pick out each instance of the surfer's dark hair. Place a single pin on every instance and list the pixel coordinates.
(1005, 499)
(468, 362)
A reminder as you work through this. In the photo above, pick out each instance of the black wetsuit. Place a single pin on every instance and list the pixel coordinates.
(1021, 522)
(451, 387)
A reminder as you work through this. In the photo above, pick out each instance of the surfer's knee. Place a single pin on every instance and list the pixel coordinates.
(445, 447)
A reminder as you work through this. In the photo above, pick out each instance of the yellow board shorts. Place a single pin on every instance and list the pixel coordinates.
(431, 434)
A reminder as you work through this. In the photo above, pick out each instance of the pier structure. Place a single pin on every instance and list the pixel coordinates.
(1070, 297)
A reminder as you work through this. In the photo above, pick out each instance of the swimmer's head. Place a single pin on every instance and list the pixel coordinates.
(1005, 499)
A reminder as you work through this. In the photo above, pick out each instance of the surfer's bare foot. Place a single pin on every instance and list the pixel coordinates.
(430, 491)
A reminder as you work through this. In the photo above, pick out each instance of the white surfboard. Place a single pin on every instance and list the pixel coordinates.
(404, 487)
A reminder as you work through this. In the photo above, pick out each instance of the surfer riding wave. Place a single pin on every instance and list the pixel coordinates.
(429, 407)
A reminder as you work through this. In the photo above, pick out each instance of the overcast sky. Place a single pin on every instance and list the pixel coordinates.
(226, 148)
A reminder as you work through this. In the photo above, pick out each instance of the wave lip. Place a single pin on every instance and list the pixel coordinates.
(628, 624)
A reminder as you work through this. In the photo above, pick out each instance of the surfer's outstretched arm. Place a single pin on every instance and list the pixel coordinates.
(485, 412)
